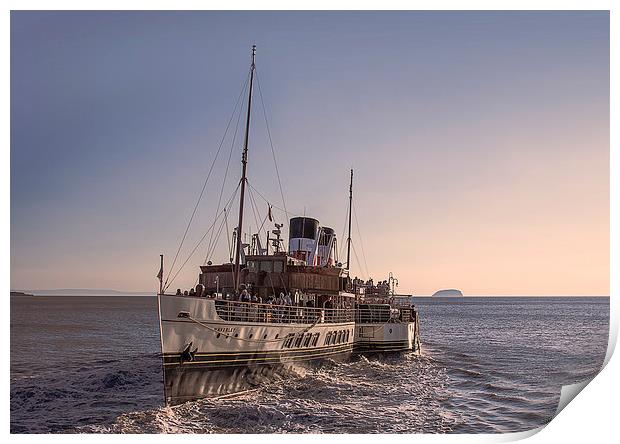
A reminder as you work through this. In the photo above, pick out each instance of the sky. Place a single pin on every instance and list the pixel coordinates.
(479, 140)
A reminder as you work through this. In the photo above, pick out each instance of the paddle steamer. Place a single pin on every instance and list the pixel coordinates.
(270, 307)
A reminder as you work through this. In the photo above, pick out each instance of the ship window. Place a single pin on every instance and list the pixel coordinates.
(327, 337)
(315, 339)
(278, 266)
(252, 266)
(266, 266)
(288, 341)
(347, 340)
(307, 339)
(298, 341)
(339, 337)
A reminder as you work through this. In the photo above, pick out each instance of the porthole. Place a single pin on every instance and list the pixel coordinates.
(236, 335)
(250, 336)
(390, 330)
(218, 335)
(265, 337)
(277, 336)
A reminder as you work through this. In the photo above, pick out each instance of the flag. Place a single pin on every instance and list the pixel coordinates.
(270, 215)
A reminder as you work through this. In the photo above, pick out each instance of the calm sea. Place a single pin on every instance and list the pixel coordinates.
(90, 364)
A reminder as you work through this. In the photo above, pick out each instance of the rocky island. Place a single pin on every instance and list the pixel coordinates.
(452, 293)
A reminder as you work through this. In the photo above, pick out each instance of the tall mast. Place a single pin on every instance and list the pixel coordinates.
(350, 207)
(244, 162)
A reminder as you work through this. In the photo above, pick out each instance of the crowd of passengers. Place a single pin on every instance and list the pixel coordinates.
(281, 299)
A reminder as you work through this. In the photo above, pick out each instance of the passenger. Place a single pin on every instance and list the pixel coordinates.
(310, 303)
(185, 293)
(192, 292)
(245, 296)
(289, 311)
(280, 310)
(178, 293)
(328, 305)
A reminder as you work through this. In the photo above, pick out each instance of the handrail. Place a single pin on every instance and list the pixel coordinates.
(272, 313)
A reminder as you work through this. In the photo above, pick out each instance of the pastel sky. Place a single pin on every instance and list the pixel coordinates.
(480, 142)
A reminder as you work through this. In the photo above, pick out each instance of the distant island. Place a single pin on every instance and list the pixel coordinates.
(448, 294)
(20, 293)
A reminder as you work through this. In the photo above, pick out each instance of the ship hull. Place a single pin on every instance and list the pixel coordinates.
(387, 337)
(223, 374)
(213, 350)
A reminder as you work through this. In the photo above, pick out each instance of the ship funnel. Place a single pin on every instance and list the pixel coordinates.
(325, 250)
(303, 235)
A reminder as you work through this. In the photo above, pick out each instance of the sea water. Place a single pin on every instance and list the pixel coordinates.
(488, 365)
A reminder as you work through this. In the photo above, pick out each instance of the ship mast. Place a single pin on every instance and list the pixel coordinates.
(350, 207)
(244, 162)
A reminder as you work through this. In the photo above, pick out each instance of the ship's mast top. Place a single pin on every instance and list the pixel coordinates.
(244, 162)
(350, 208)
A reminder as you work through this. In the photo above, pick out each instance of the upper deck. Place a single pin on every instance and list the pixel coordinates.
(271, 274)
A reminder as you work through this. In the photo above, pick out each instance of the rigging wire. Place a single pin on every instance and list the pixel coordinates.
(260, 93)
(200, 241)
(204, 186)
(358, 260)
(227, 236)
(273, 205)
(344, 228)
(219, 232)
(232, 145)
(359, 233)
(258, 211)
(254, 209)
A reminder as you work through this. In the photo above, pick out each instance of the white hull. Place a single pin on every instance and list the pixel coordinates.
(205, 355)
(387, 337)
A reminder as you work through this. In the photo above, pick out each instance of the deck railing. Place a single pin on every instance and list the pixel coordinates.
(288, 314)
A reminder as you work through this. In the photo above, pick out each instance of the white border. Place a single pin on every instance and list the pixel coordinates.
(592, 416)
